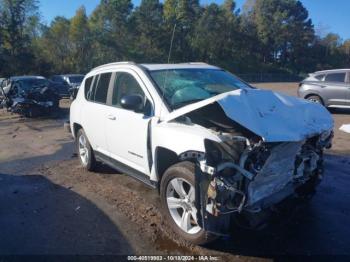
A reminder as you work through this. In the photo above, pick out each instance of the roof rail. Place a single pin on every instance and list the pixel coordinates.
(115, 63)
(333, 70)
(194, 63)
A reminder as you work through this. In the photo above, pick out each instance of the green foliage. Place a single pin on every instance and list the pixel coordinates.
(266, 36)
(16, 20)
(55, 45)
(80, 40)
(148, 28)
(110, 31)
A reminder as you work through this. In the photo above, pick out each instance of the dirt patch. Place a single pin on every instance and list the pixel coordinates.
(134, 200)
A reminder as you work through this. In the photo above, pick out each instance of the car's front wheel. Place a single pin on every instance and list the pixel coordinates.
(177, 194)
(85, 152)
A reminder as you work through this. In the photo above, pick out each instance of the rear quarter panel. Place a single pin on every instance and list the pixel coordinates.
(76, 108)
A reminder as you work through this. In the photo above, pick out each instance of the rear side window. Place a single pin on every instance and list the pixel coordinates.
(320, 77)
(87, 86)
(102, 88)
(336, 77)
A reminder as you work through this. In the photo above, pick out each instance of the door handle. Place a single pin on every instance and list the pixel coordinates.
(111, 117)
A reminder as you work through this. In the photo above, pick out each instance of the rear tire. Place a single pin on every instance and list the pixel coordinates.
(177, 189)
(85, 151)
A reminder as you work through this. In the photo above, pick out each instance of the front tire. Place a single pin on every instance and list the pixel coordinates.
(177, 192)
(85, 151)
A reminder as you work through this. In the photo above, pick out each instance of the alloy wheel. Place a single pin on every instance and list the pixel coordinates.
(180, 197)
(83, 150)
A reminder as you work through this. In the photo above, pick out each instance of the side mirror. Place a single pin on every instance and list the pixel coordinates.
(132, 102)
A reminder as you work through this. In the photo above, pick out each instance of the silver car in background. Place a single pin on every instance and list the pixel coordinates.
(330, 88)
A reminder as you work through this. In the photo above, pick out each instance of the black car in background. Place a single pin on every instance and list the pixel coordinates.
(67, 84)
(29, 95)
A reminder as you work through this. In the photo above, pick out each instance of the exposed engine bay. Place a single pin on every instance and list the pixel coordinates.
(244, 173)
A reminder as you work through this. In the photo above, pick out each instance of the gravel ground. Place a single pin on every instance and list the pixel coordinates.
(50, 205)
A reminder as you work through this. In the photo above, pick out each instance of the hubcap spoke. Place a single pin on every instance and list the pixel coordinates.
(191, 194)
(82, 141)
(186, 221)
(178, 187)
(174, 203)
(194, 215)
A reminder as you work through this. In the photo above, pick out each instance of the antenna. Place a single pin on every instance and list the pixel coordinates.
(171, 43)
(169, 56)
(167, 70)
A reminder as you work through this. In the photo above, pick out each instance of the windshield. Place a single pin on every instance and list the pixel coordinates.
(33, 83)
(76, 79)
(181, 87)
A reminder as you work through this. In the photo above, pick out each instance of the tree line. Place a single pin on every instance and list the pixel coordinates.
(265, 36)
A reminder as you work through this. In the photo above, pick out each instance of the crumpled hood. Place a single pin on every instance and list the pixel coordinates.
(273, 116)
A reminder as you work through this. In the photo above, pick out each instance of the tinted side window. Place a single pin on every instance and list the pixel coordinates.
(125, 84)
(87, 87)
(336, 77)
(320, 77)
(102, 88)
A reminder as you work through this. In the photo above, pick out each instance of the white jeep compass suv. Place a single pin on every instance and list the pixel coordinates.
(213, 146)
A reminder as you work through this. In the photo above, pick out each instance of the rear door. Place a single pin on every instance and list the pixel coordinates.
(335, 89)
(95, 111)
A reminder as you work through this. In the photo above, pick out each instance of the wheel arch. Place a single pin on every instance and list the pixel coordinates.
(76, 128)
(164, 158)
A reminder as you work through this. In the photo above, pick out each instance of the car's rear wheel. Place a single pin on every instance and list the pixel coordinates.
(315, 99)
(178, 202)
(85, 152)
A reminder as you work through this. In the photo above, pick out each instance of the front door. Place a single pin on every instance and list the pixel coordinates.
(127, 130)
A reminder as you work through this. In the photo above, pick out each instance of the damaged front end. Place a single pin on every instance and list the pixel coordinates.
(33, 102)
(267, 147)
(241, 176)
